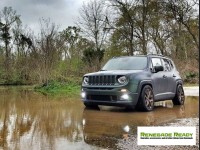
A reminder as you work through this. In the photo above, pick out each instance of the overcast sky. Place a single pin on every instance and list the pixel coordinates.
(62, 12)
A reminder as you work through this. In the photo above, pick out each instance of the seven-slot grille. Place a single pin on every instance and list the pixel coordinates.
(102, 80)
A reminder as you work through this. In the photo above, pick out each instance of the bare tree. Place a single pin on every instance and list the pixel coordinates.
(159, 28)
(93, 23)
(124, 23)
(132, 22)
(183, 12)
(70, 36)
(7, 18)
(48, 54)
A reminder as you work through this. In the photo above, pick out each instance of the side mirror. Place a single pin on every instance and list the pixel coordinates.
(158, 68)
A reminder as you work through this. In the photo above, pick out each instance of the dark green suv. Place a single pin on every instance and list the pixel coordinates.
(133, 81)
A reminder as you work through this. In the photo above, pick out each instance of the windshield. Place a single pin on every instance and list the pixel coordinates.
(126, 63)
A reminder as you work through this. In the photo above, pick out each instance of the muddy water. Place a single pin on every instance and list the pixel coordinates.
(30, 120)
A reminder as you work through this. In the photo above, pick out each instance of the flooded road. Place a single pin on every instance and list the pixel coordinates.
(30, 120)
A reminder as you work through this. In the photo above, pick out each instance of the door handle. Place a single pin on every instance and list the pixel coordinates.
(173, 75)
(164, 76)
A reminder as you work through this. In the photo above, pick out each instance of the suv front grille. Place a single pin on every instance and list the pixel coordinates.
(102, 97)
(102, 80)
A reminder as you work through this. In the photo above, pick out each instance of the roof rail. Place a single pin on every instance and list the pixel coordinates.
(155, 54)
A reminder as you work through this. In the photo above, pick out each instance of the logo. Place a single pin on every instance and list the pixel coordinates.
(166, 135)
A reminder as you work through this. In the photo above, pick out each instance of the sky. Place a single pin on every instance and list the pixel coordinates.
(63, 13)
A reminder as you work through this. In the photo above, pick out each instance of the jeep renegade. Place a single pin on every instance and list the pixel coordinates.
(133, 81)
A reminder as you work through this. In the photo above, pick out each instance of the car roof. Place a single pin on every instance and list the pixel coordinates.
(148, 55)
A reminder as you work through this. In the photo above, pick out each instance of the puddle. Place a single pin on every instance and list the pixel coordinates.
(29, 120)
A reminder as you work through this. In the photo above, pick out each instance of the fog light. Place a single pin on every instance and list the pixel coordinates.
(83, 94)
(125, 97)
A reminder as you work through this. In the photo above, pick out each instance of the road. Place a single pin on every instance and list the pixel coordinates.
(191, 91)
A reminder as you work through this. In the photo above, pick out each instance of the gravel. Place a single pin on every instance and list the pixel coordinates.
(130, 143)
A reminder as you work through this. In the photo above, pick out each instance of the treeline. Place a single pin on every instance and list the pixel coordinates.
(103, 30)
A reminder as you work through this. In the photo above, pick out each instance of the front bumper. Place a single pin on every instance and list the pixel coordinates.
(111, 96)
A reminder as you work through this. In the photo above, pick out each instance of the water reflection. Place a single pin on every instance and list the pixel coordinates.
(103, 128)
(30, 120)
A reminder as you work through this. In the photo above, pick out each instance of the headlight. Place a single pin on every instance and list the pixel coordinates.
(85, 80)
(122, 79)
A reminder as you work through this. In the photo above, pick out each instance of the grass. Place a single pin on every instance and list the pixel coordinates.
(190, 84)
(62, 89)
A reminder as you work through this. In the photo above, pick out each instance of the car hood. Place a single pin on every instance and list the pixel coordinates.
(114, 72)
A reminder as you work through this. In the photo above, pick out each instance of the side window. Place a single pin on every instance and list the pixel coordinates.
(167, 65)
(171, 64)
(156, 62)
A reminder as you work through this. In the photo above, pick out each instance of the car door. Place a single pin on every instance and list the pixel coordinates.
(170, 76)
(159, 79)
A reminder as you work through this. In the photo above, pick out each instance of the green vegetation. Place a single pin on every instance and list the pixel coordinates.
(191, 77)
(59, 89)
(190, 85)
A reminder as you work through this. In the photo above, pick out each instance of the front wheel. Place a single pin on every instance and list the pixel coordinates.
(179, 98)
(146, 100)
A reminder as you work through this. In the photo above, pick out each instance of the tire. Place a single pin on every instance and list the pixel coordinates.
(179, 98)
(146, 100)
(91, 106)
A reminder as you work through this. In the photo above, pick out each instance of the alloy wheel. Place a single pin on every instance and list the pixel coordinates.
(149, 98)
